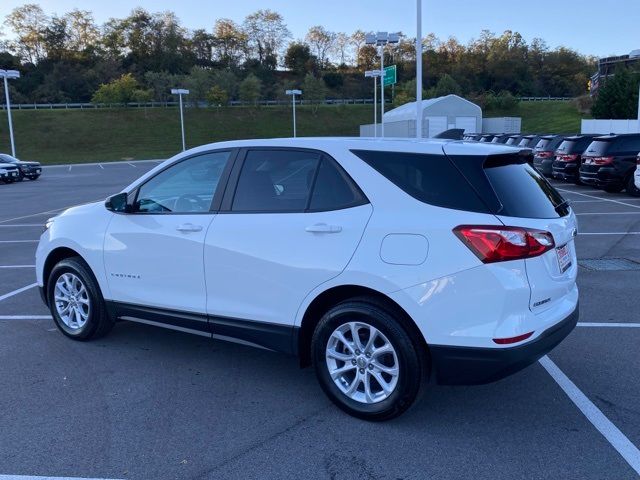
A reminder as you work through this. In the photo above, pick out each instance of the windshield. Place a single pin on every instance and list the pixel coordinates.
(4, 158)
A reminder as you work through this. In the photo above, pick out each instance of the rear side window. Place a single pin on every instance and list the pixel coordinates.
(333, 189)
(432, 179)
(522, 191)
(275, 181)
(627, 144)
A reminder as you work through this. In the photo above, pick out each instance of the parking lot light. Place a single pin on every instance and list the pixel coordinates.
(375, 74)
(381, 39)
(180, 92)
(7, 75)
(293, 94)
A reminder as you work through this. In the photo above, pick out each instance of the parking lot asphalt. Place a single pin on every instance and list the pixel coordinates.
(150, 403)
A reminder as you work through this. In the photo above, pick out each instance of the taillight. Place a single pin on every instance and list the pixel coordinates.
(638, 160)
(567, 158)
(492, 243)
(602, 160)
(544, 154)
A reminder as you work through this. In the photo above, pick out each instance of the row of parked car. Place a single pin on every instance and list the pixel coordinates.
(14, 170)
(610, 162)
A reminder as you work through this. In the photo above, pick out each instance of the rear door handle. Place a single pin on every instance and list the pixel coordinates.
(323, 228)
(189, 227)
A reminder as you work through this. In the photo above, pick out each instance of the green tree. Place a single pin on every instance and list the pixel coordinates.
(314, 90)
(298, 58)
(447, 85)
(28, 23)
(217, 97)
(250, 89)
(122, 90)
(618, 97)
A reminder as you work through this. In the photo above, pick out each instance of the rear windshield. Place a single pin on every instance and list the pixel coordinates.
(432, 179)
(598, 148)
(523, 192)
(577, 145)
(542, 143)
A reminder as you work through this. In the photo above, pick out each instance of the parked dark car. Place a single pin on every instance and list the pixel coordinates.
(30, 170)
(568, 161)
(544, 153)
(529, 141)
(8, 172)
(502, 138)
(610, 161)
(514, 140)
(473, 137)
(452, 134)
(486, 138)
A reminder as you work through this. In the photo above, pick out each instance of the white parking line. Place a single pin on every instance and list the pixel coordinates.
(31, 477)
(607, 324)
(23, 225)
(17, 266)
(16, 292)
(599, 198)
(614, 436)
(129, 163)
(25, 317)
(70, 168)
(100, 165)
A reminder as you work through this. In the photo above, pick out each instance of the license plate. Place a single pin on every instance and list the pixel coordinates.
(564, 258)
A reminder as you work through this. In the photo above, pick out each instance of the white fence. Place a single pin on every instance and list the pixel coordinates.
(610, 126)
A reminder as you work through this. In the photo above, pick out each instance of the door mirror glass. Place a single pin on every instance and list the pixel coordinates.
(117, 203)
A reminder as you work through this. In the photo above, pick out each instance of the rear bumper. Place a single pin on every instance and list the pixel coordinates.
(472, 365)
(565, 170)
(600, 177)
(544, 165)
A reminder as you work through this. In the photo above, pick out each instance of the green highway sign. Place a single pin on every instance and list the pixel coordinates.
(390, 77)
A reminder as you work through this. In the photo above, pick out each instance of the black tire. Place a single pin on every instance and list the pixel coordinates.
(631, 187)
(411, 358)
(33, 177)
(98, 323)
(614, 188)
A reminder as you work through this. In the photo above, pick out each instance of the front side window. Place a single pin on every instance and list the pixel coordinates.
(187, 187)
(275, 181)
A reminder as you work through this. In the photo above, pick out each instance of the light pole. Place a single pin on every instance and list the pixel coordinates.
(381, 39)
(180, 92)
(6, 75)
(419, 70)
(375, 74)
(293, 94)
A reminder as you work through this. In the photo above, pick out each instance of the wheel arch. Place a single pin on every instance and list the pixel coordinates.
(56, 255)
(337, 294)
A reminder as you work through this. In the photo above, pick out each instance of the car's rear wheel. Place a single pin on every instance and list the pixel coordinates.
(631, 187)
(365, 360)
(75, 301)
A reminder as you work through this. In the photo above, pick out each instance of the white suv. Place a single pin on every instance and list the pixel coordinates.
(387, 264)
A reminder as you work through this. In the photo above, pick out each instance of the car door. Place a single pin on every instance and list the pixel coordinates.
(292, 221)
(153, 256)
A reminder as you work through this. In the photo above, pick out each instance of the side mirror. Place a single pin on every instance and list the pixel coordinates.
(118, 203)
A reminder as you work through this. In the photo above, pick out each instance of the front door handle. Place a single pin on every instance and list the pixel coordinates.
(189, 227)
(323, 228)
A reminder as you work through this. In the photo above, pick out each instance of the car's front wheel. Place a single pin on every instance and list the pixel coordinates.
(75, 301)
(365, 360)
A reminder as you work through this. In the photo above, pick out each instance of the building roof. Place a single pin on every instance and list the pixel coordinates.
(408, 110)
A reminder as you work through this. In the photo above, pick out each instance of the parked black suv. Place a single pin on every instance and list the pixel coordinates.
(544, 153)
(529, 141)
(30, 170)
(502, 138)
(568, 160)
(514, 140)
(609, 162)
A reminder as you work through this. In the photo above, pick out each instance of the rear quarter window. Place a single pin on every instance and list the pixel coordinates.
(431, 179)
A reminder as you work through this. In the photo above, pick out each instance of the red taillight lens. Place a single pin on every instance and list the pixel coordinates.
(544, 154)
(492, 243)
(507, 341)
(602, 160)
(567, 158)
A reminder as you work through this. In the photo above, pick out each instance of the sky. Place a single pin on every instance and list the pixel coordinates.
(592, 27)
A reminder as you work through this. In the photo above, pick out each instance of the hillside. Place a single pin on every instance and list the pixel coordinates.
(74, 136)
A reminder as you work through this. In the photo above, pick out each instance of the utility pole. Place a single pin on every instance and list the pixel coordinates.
(6, 75)
(419, 70)
(180, 92)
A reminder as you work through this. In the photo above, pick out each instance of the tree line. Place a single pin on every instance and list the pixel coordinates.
(70, 58)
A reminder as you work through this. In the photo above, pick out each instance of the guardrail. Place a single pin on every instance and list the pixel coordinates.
(544, 99)
(233, 103)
